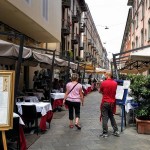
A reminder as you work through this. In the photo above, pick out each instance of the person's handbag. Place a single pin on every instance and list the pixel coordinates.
(66, 101)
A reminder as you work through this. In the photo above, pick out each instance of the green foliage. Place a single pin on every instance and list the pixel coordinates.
(140, 90)
(70, 52)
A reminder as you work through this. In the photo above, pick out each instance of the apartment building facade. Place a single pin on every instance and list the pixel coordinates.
(137, 30)
(66, 26)
(79, 33)
(138, 25)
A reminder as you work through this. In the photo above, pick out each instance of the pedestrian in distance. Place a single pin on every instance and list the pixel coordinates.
(108, 105)
(73, 99)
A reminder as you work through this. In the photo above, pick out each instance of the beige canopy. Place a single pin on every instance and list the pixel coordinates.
(97, 71)
(10, 49)
(31, 57)
(141, 55)
(138, 62)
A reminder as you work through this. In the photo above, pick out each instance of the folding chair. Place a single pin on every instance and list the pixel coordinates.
(29, 115)
(13, 135)
(121, 103)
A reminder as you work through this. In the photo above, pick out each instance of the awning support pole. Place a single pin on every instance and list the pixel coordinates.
(51, 75)
(17, 69)
(83, 74)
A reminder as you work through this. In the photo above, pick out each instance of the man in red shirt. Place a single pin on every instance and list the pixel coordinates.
(108, 104)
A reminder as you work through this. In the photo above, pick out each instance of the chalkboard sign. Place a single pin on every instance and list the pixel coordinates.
(6, 99)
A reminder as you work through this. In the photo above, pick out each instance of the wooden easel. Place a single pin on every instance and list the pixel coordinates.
(4, 140)
(7, 79)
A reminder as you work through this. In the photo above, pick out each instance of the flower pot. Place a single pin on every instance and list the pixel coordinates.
(143, 126)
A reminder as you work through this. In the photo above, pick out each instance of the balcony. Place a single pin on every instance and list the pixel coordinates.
(87, 54)
(66, 3)
(81, 47)
(94, 48)
(89, 41)
(83, 5)
(92, 45)
(75, 19)
(82, 29)
(65, 30)
(75, 39)
(94, 60)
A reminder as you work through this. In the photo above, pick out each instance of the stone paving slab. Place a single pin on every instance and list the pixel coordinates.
(61, 137)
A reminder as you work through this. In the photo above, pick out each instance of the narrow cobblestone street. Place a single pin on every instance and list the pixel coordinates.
(61, 137)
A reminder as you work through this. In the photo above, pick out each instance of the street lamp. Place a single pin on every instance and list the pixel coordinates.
(106, 28)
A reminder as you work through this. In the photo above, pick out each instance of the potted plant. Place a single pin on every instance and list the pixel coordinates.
(140, 90)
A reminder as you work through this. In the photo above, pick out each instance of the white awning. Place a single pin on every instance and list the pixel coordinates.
(141, 55)
(9, 49)
(44, 58)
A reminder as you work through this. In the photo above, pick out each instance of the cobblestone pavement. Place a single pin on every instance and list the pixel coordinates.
(61, 137)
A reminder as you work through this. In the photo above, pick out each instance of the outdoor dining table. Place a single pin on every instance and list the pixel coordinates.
(22, 136)
(58, 99)
(44, 108)
(87, 88)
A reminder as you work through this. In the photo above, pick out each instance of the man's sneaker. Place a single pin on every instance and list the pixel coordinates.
(104, 135)
(116, 133)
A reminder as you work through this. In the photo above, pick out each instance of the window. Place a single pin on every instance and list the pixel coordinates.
(133, 45)
(45, 9)
(142, 11)
(136, 42)
(145, 34)
(133, 27)
(137, 20)
(149, 29)
(142, 37)
(137, 4)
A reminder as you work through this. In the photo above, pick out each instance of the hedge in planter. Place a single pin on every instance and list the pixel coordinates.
(140, 90)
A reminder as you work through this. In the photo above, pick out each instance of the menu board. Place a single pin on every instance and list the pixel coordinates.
(123, 84)
(6, 99)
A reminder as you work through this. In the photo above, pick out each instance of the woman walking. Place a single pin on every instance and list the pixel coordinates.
(74, 98)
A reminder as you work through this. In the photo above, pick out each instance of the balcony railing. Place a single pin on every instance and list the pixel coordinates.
(75, 39)
(89, 41)
(81, 47)
(65, 28)
(75, 19)
(66, 3)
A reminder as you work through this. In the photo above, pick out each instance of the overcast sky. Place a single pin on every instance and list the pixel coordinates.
(111, 13)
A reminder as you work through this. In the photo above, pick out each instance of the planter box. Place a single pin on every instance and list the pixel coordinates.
(143, 126)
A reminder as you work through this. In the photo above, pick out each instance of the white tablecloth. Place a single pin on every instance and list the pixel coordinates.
(20, 120)
(85, 86)
(88, 85)
(31, 98)
(56, 96)
(128, 105)
(41, 107)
